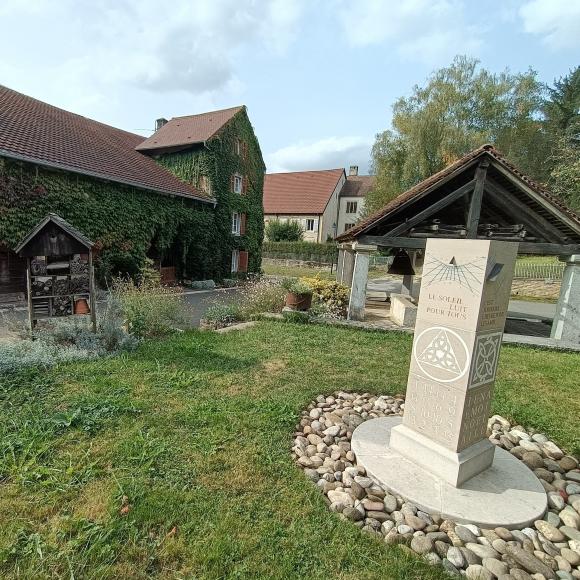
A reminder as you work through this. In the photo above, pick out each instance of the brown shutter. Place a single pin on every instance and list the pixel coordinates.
(232, 184)
(245, 185)
(243, 261)
(244, 150)
(242, 224)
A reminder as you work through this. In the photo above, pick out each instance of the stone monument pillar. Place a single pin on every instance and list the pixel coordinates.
(566, 325)
(437, 456)
(463, 303)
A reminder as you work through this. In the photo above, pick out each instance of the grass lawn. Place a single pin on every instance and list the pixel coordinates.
(175, 462)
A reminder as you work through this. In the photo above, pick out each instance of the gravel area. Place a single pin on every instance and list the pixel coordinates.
(549, 550)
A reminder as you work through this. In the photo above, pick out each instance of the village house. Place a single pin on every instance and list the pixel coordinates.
(325, 203)
(189, 197)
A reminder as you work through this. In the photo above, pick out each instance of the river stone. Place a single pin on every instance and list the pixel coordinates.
(478, 572)
(500, 546)
(421, 544)
(363, 481)
(567, 463)
(470, 557)
(556, 501)
(504, 534)
(353, 514)
(450, 568)
(519, 574)
(574, 476)
(553, 519)
(465, 535)
(379, 516)
(549, 531)
(432, 559)
(552, 450)
(357, 490)
(482, 551)
(563, 564)
(573, 489)
(571, 556)
(530, 446)
(496, 567)
(440, 547)
(571, 533)
(529, 562)
(455, 556)
(390, 502)
(415, 522)
(532, 459)
(340, 497)
(570, 517)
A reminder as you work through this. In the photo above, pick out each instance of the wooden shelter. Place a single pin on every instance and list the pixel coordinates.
(480, 196)
(60, 278)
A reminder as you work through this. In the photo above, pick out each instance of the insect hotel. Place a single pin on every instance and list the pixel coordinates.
(60, 277)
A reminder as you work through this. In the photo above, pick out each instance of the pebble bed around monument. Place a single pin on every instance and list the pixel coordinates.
(551, 549)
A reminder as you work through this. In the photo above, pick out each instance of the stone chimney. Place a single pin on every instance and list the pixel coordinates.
(353, 170)
(159, 123)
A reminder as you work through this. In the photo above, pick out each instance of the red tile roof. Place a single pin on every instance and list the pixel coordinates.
(189, 130)
(33, 131)
(300, 192)
(457, 166)
(357, 185)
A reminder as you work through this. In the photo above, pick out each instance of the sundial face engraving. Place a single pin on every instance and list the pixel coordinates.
(441, 354)
(465, 274)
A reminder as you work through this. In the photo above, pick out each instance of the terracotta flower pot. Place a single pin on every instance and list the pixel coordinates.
(82, 306)
(298, 301)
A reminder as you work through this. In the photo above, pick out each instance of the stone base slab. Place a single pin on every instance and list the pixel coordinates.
(454, 468)
(507, 494)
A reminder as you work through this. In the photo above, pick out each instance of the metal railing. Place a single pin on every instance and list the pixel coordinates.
(533, 271)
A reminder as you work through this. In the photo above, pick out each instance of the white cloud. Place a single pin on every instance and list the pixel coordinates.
(328, 153)
(184, 45)
(556, 21)
(430, 31)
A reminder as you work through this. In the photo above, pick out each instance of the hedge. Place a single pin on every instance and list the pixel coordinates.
(306, 251)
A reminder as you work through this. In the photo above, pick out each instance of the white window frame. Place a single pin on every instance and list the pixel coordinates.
(350, 205)
(308, 221)
(236, 223)
(235, 260)
(238, 183)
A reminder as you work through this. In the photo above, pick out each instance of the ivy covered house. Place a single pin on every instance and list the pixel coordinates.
(193, 206)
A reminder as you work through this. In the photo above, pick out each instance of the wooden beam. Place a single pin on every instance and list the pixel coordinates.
(432, 209)
(476, 199)
(523, 248)
(388, 242)
(548, 249)
(513, 206)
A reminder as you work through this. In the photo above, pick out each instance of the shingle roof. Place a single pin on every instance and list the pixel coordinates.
(299, 192)
(189, 130)
(454, 167)
(357, 185)
(33, 131)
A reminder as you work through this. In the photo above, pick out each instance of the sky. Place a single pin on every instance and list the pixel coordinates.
(319, 77)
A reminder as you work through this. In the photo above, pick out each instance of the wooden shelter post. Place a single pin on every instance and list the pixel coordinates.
(358, 290)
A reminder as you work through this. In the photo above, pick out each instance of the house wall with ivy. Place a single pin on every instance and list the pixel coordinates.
(128, 224)
(234, 150)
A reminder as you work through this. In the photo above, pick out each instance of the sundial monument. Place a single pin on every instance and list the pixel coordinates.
(438, 456)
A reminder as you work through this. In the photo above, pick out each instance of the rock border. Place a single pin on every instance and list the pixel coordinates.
(549, 550)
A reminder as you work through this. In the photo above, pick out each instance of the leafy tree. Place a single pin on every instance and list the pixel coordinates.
(460, 108)
(562, 118)
(289, 231)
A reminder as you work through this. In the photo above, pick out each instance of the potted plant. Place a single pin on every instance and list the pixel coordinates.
(299, 294)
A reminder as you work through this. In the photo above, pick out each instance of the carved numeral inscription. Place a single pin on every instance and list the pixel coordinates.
(432, 410)
(475, 414)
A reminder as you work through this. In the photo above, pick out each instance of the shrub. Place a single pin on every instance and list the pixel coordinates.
(149, 309)
(202, 284)
(265, 295)
(297, 286)
(230, 282)
(332, 294)
(289, 231)
(306, 251)
(221, 315)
